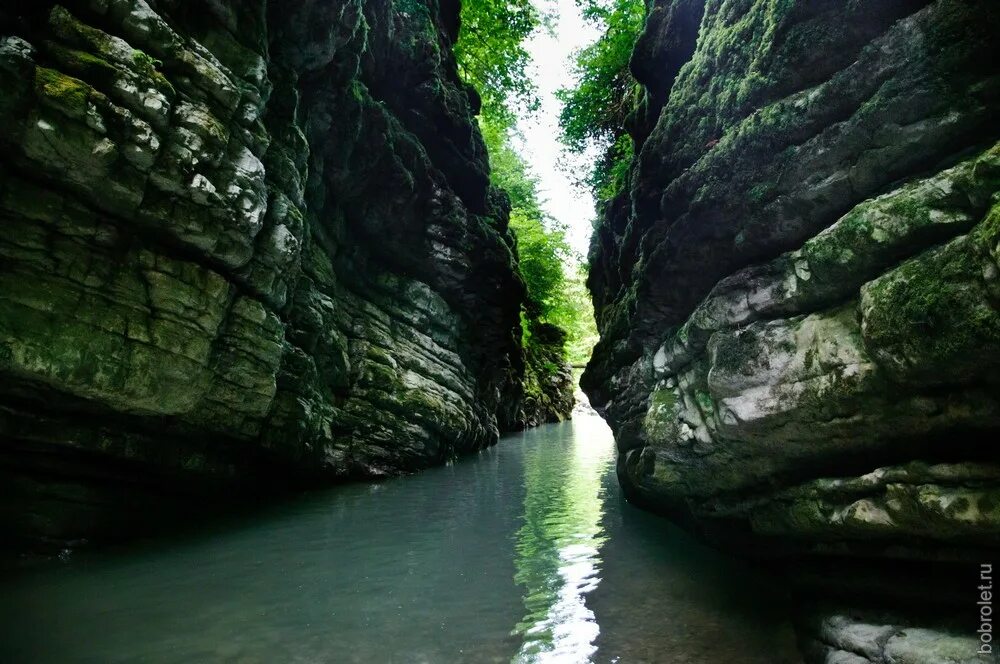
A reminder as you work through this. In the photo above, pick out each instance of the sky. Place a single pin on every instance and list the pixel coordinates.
(552, 53)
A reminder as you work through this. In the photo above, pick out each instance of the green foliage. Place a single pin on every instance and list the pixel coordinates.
(541, 242)
(594, 111)
(578, 317)
(491, 55)
(145, 62)
(66, 93)
(508, 170)
(555, 277)
(542, 250)
(610, 173)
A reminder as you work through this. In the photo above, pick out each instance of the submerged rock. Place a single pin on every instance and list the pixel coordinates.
(798, 300)
(245, 244)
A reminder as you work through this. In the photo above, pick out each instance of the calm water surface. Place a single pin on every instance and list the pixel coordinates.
(523, 553)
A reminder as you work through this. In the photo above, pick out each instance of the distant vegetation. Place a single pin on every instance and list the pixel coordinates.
(491, 56)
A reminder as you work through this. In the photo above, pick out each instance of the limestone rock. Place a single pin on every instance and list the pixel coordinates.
(797, 294)
(247, 245)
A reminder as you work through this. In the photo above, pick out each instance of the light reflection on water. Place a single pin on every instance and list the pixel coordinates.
(523, 553)
(559, 544)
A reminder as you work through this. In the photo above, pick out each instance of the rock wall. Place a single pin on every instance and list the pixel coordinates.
(798, 300)
(245, 244)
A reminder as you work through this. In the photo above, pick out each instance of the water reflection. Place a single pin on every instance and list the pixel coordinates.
(559, 543)
(437, 567)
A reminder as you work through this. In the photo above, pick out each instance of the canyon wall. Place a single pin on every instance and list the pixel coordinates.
(798, 295)
(246, 245)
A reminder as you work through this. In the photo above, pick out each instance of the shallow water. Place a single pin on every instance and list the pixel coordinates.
(525, 552)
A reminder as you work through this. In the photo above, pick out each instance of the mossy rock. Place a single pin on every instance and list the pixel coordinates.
(934, 319)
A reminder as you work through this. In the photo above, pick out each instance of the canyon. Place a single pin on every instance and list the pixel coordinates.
(253, 247)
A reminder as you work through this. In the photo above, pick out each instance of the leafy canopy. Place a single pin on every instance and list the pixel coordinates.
(554, 275)
(541, 241)
(594, 111)
(492, 57)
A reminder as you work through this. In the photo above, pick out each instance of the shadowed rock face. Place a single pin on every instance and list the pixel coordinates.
(243, 241)
(798, 298)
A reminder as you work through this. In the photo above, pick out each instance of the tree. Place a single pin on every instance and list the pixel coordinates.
(492, 58)
(595, 110)
(541, 242)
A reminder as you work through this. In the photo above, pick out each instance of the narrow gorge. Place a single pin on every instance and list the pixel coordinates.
(256, 250)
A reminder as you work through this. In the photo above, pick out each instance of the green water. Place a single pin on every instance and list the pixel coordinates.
(525, 552)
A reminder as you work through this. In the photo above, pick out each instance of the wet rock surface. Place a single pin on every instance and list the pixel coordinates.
(249, 243)
(798, 301)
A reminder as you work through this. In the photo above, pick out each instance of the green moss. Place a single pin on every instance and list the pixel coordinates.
(358, 91)
(800, 514)
(95, 53)
(760, 192)
(144, 62)
(933, 315)
(65, 93)
(987, 233)
(147, 65)
(737, 352)
(546, 385)
(82, 63)
(846, 252)
(739, 62)
(665, 399)
(413, 8)
(660, 423)
(68, 28)
(875, 234)
(811, 358)
(958, 506)
(6, 354)
(705, 402)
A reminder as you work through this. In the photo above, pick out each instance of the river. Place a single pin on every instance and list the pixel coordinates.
(525, 552)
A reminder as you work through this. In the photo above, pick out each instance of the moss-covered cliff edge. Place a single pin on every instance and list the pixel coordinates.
(245, 243)
(799, 304)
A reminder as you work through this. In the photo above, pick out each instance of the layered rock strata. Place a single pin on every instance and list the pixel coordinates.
(799, 301)
(249, 242)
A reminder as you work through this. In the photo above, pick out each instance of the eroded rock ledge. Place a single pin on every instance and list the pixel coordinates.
(798, 300)
(249, 242)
